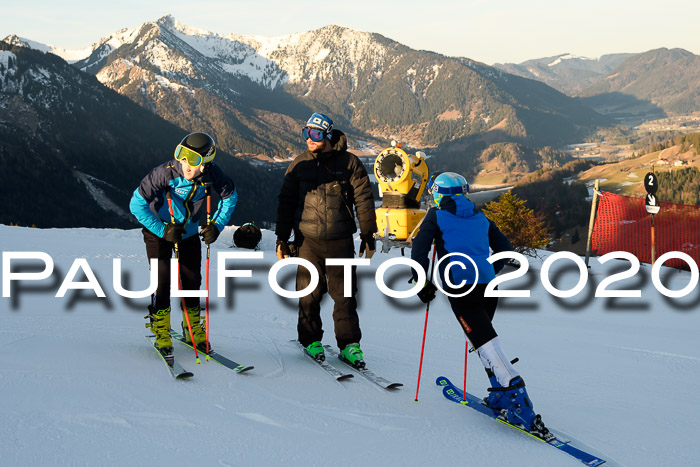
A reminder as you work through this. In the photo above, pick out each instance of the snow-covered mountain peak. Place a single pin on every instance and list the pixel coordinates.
(70, 56)
(567, 56)
(118, 38)
(174, 47)
(169, 49)
(320, 54)
(308, 44)
(171, 23)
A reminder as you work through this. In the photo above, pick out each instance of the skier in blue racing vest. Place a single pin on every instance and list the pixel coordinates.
(456, 227)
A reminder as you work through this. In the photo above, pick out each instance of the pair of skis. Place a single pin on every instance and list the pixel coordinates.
(341, 376)
(449, 390)
(453, 393)
(177, 370)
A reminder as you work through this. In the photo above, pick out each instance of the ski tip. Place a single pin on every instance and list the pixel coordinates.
(345, 376)
(442, 381)
(394, 385)
(185, 375)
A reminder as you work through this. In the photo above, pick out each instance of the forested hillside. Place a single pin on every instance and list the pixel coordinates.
(563, 202)
(680, 186)
(73, 150)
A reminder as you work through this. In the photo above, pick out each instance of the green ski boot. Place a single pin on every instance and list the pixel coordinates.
(199, 328)
(352, 354)
(160, 327)
(315, 349)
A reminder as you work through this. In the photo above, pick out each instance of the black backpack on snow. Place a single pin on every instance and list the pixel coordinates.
(247, 236)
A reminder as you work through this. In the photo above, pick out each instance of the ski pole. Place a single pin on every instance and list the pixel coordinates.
(206, 190)
(179, 282)
(425, 328)
(466, 353)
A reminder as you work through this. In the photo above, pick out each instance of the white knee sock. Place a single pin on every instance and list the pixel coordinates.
(494, 358)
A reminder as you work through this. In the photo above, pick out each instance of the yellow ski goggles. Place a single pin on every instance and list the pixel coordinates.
(193, 158)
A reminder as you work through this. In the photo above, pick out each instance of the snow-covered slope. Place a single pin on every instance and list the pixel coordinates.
(80, 384)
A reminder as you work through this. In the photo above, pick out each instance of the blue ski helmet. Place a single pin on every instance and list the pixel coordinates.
(321, 122)
(448, 184)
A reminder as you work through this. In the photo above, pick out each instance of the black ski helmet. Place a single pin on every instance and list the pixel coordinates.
(201, 143)
(247, 236)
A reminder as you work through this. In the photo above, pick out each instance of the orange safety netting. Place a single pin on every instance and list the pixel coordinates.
(623, 224)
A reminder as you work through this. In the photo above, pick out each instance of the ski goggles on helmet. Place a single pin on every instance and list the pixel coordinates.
(193, 158)
(314, 134)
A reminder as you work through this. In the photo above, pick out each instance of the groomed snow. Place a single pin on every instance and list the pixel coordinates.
(81, 385)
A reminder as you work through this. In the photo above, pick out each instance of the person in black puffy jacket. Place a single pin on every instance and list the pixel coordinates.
(321, 188)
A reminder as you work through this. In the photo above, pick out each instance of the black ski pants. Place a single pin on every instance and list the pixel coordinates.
(190, 258)
(347, 323)
(475, 313)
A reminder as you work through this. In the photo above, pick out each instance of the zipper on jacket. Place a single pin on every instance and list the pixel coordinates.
(189, 197)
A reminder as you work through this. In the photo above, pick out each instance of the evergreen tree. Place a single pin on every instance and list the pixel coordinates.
(526, 230)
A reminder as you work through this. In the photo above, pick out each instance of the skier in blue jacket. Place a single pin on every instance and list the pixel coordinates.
(187, 180)
(456, 227)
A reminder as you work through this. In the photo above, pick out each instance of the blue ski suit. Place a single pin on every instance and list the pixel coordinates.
(456, 227)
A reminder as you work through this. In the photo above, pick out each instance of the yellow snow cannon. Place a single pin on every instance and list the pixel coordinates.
(402, 179)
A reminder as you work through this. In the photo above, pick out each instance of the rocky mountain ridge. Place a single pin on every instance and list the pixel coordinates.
(254, 93)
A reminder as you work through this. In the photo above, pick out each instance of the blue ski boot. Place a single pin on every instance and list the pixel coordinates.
(492, 376)
(492, 379)
(517, 409)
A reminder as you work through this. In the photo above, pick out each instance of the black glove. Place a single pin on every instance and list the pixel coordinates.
(368, 245)
(427, 293)
(282, 249)
(209, 233)
(173, 232)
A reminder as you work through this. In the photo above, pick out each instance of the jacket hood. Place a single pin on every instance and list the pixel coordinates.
(460, 206)
(339, 141)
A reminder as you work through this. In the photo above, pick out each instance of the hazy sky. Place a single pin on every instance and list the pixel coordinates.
(489, 31)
